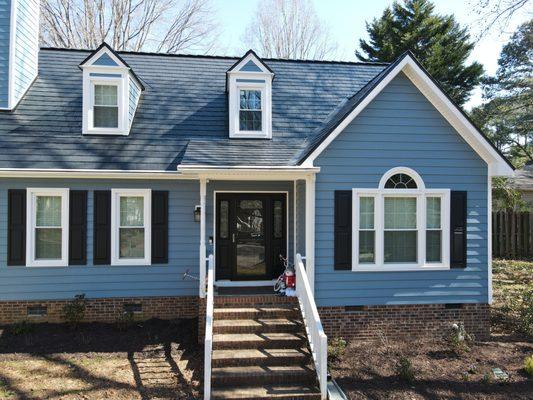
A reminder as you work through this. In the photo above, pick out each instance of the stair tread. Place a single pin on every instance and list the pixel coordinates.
(260, 354)
(256, 370)
(266, 392)
(255, 322)
(253, 337)
(273, 309)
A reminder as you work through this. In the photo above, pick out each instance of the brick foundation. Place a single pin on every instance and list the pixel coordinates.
(102, 310)
(355, 322)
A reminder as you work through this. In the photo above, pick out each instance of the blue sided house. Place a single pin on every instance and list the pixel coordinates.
(171, 186)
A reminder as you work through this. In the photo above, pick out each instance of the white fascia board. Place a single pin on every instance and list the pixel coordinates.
(95, 56)
(497, 165)
(89, 173)
(245, 60)
(246, 173)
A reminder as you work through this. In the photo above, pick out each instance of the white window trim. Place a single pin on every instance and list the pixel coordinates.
(122, 84)
(31, 210)
(420, 194)
(115, 224)
(266, 104)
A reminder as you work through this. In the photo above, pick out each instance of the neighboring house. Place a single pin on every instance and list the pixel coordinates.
(523, 181)
(122, 171)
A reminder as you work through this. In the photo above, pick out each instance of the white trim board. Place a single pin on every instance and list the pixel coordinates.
(496, 163)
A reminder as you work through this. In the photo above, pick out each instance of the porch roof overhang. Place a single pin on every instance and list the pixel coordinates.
(249, 173)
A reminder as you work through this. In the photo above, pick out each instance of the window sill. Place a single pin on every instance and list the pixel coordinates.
(131, 263)
(58, 264)
(399, 267)
(250, 135)
(105, 132)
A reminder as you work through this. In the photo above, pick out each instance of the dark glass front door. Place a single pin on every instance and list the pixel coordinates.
(251, 235)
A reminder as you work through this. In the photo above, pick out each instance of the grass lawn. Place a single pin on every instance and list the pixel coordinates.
(149, 360)
(436, 369)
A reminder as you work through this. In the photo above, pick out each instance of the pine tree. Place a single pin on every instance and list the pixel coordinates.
(438, 42)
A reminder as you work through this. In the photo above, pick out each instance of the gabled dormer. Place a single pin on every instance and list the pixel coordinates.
(249, 85)
(111, 93)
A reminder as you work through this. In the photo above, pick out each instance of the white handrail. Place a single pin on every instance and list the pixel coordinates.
(318, 340)
(208, 349)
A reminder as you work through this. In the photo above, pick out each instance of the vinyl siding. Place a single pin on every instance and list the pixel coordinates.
(105, 60)
(134, 95)
(20, 283)
(5, 17)
(401, 128)
(26, 46)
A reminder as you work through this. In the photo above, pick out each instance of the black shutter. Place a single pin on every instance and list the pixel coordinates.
(458, 229)
(16, 226)
(159, 227)
(343, 230)
(77, 243)
(102, 227)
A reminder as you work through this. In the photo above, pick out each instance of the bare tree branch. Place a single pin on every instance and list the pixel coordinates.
(496, 14)
(137, 25)
(289, 29)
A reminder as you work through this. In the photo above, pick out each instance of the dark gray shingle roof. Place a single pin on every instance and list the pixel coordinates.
(182, 115)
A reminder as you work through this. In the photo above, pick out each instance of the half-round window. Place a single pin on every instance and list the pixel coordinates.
(400, 181)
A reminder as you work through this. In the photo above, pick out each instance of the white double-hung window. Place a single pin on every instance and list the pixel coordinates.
(131, 227)
(401, 225)
(47, 227)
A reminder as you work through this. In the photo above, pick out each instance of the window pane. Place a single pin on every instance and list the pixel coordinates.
(366, 247)
(400, 213)
(250, 121)
(47, 243)
(400, 246)
(131, 211)
(250, 100)
(433, 212)
(400, 181)
(278, 219)
(433, 246)
(105, 117)
(105, 95)
(48, 211)
(366, 213)
(224, 219)
(131, 242)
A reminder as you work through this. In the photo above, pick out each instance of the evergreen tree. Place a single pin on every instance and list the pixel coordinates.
(507, 115)
(438, 42)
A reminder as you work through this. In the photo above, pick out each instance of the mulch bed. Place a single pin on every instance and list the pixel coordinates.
(369, 369)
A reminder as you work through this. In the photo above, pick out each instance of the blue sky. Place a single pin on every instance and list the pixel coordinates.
(346, 20)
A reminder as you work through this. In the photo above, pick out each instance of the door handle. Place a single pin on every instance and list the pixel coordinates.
(233, 238)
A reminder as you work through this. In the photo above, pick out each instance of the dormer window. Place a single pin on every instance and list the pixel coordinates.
(111, 93)
(250, 111)
(250, 98)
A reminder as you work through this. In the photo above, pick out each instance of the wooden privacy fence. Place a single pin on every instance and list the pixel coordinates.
(512, 234)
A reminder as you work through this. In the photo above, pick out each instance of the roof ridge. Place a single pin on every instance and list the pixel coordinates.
(208, 56)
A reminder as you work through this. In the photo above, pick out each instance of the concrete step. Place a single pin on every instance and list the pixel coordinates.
(258, 341)
(260, 325)
(260, 357)
(267, 392)
(278, 311)
(256, 375)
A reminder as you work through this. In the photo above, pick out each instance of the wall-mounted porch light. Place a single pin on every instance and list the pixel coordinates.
(197, 212)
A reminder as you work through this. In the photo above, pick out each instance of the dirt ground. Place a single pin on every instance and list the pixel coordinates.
(370, 369)
(149, 360)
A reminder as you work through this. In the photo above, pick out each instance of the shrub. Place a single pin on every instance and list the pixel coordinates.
(21, 328)
(74, 311)
(528, 365)
(124, 321)
(336, 348)
(525, 313)
(459, 339)
(405, 370)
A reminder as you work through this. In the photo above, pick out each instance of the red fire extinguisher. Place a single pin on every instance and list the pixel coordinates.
(289, 277)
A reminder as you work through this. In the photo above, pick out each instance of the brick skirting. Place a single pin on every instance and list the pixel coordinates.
(362, 322)
(102, 310)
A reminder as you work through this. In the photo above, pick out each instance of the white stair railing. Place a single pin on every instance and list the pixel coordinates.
(318, 340)
(208, 349)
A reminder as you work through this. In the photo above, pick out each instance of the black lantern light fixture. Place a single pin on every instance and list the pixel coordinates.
(197, 212)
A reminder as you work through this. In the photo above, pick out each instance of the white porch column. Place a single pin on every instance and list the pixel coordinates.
(310, 229)
(202, 237)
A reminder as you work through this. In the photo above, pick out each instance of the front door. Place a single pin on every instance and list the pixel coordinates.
(251, 235)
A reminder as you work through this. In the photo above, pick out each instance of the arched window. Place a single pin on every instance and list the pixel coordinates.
(401, 225)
